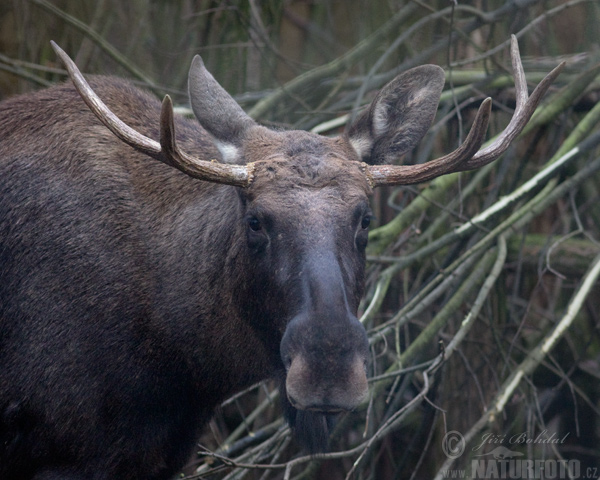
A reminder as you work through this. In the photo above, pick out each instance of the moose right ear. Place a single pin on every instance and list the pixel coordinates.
(217, 111)
(399, 116)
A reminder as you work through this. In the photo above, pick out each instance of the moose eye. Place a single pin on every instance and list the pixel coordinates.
(366, 221)
(254, 224)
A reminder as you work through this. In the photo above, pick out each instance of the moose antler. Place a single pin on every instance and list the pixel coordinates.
(167, 150)
(466, 157)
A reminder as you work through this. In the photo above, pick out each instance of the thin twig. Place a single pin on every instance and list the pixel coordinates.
(533, 359)
(99, 41)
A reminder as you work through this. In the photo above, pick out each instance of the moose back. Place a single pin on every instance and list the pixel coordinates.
(142, 282)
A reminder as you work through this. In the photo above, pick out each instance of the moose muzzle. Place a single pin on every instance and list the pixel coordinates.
(326, 363)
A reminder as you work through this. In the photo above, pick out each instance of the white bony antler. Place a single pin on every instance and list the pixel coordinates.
(468, 156)
(167, 150)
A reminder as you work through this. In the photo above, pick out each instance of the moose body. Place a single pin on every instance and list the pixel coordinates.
(129, 302)
(107, 268)
(135, 297)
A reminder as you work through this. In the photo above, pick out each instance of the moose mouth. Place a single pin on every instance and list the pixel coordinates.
(326, 409)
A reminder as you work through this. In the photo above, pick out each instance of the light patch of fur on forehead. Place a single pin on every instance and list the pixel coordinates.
(291, 159)
(282, 175)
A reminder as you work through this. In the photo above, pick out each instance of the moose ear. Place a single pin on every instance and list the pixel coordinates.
(399, 116)
(217, 111)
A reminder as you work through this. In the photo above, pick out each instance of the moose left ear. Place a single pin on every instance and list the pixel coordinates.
(399, 116)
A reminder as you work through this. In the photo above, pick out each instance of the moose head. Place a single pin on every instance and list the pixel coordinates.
(306, 212)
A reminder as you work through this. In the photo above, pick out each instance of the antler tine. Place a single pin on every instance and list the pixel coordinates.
(524, 109)
(99, 108)
(466, 157)
(522, 94)
(166, 151)
(238, 175)
(380, 175)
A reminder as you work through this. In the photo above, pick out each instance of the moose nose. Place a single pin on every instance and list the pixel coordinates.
(327, 388)
(326, 363)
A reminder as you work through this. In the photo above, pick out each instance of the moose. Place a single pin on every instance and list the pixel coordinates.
(144, 281)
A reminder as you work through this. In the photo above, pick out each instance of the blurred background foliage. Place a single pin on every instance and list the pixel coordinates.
(482, 303)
